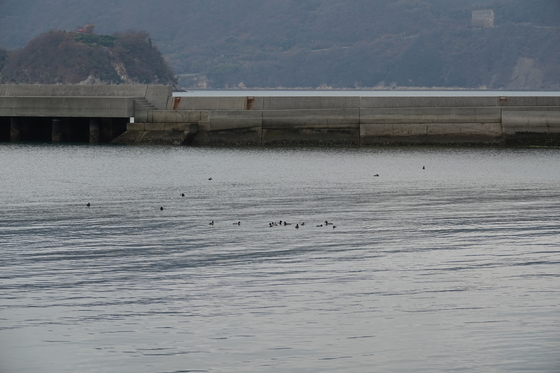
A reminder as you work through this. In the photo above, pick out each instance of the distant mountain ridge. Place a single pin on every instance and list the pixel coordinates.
(323, 43)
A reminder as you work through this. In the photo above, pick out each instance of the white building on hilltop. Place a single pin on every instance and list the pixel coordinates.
(483, 18)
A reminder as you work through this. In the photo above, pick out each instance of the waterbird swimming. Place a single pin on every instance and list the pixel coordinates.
(211, 223)
(88, 205)
(161, 208)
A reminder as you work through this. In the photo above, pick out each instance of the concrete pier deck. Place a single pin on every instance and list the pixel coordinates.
(74, 113)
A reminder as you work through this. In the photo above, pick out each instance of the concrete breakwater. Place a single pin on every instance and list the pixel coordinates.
(74, 113)
(93, 114)
(350, 121)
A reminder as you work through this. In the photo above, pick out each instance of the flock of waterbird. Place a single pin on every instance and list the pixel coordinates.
(285, 223)
(271, 224)
(275, 224)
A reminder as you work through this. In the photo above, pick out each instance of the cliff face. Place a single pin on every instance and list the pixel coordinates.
(59, 57)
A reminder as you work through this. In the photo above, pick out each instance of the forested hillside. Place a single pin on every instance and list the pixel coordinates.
(329, 43)
(59, 57)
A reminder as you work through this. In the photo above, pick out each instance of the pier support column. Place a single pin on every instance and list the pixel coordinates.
(15, 130)
(57, 135)
(94, 130)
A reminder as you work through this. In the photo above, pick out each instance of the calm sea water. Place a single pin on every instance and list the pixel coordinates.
(455, 267)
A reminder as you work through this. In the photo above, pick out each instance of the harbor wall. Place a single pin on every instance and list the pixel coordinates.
(352, 121)
(74, 113)
(102, 114)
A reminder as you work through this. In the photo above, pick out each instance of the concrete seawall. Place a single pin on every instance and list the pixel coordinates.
(60, 113)
(74, 113)
(350, 121)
